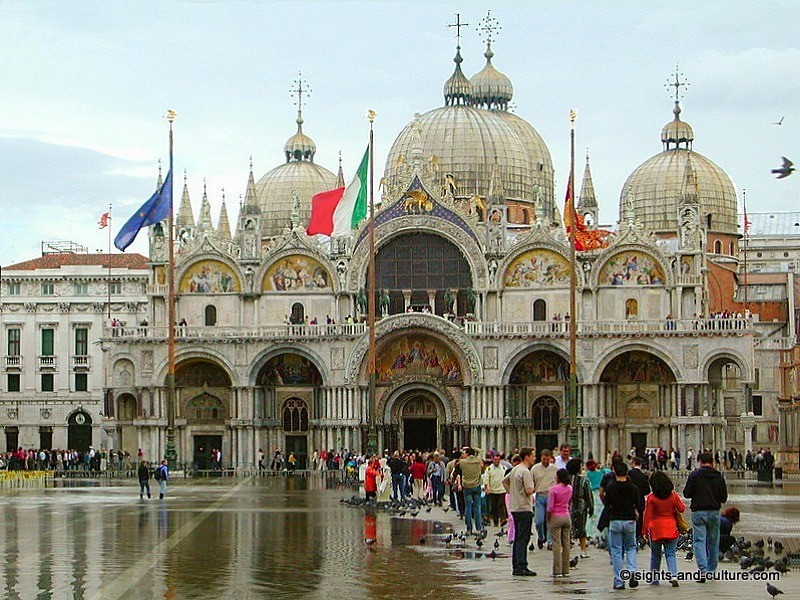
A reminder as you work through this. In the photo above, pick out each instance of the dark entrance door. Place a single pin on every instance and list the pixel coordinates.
(299, 445)
(547, 441)
(639, 441)
(203, 445)
(79, 432)
(419, 434)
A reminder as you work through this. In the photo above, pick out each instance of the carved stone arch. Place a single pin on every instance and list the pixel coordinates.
(288, 250)
(523, 351)
(595, 277)
(432, 325)
(522, 249)
(207, 354)
(300, 349)
(124, 373)
(205, 407)
(468, 247)
(729, 355)
(388, 407)
(609, 355)
(127, 407)
(195, 259)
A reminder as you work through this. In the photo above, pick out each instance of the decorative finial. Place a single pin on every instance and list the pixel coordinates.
(159, 168)
(587, 155)
(185, 176)
(223, 194)
(371, 114)
(573, 116)
(205, 189)
(458, 25)
(489, 26)
(171, 114)
(674, 81)
(251, 162)
(300, 87)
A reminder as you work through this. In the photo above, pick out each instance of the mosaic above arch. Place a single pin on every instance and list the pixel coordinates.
(637, 366)
(632, 268)
(540, 366)
(409, 355)
(289, 369)
(537, 268)
(296, 272)
(209, 277)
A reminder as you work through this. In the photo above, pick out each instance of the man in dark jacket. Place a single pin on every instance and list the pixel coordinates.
(707, 490)
(624, 504)
(143, 474)
(642, 482)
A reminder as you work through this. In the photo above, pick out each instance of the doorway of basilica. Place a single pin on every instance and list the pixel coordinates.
(418, 421)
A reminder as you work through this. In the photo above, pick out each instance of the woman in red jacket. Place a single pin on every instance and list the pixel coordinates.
(660, 525)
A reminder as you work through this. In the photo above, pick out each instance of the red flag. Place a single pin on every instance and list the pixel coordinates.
(104, 219)
(585, 238)
(322, 207)
(746, 220)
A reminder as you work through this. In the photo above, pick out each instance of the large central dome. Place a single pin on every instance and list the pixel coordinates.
(474, 134)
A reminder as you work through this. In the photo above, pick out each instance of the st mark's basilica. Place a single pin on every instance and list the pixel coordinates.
(472, 271)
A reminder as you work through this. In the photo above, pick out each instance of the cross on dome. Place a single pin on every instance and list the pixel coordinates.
(674, 81)
(458, 25)
(489, 26)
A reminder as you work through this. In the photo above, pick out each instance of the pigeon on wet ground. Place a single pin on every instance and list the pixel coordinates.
(773, 591)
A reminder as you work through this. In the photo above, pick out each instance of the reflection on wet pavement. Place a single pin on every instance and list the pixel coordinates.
(284, 538)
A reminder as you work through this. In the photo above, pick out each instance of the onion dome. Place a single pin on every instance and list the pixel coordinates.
(457, 89)
(656, 187)
(677, 132)
(490, 87)
(298, 175)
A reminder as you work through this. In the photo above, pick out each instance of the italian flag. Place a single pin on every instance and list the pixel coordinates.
(339, 211)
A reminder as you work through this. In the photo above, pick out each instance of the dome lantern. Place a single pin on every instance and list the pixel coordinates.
(490, 88)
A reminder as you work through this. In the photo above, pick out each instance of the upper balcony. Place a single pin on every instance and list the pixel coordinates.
(478, 329)
(47, 362)
(13, 362)
(80, 362)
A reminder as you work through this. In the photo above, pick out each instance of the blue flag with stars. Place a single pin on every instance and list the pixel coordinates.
(155, 210)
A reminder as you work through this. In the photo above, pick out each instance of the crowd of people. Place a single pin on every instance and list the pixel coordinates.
(562, 502)
(92, 461)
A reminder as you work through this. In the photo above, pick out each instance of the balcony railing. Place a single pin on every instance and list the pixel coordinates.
(80, 361)
(542, 329)
(13, 362)
(47, 362)
(235, 331)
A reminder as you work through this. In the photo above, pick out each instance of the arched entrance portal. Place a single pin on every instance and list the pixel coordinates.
(418, 422)
(79, 431)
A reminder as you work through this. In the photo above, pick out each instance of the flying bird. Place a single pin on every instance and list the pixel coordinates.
(778, 122)
(773, 591)
(785, 170)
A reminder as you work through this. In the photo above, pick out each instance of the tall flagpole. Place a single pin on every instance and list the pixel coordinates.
(108, 272)
(746, 228)
(170, 454)
(372, 436)
(572, 404)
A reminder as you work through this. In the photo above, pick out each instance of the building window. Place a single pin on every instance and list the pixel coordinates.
(48, 336)
(545, 414)
(81, 382)
(756, 378)
(12, 439)
(211, 315)
(81, 341)
(295, 415)
(47, 382)
(717, 247)
(14, 289)
(14, 342)
(758, 406)
(631, 308)
(298, 313)
(525, 217)
(82, 289)
(13, 382)
(115, 287)
(48, 289)
(46, 438)
(730, 249)
(539, 310)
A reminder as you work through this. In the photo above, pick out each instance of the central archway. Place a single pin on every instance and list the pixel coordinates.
(418, 416)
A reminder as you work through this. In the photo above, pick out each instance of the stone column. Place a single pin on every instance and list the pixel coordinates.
(406, 299)
(432, 300)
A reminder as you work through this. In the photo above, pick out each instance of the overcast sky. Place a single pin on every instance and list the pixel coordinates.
(84, 86)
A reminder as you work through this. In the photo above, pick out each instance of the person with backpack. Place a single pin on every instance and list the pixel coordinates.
(162, 476)
(144, 480)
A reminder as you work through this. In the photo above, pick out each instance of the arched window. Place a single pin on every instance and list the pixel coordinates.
(545, 414)
(295, 415)
(211, 315)
(539, 310)
(717, 247)
(631, 308)
(298, 313)
(525, 216)
(730, 248)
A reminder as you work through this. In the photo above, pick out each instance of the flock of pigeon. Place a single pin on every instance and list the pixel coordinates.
(753, 557)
